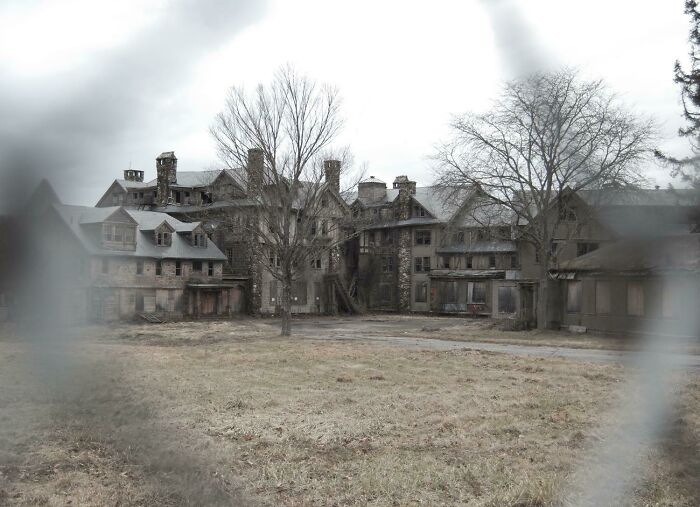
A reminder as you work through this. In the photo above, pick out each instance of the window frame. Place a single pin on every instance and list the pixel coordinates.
(423, 237)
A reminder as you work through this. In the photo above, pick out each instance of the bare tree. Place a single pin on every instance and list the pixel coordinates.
(295, 209)
(547, 136)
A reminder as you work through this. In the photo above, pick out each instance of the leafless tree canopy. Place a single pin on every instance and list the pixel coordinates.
(546, 133)
(295, 212)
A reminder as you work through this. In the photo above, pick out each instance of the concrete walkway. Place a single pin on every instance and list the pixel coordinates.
(583, 355)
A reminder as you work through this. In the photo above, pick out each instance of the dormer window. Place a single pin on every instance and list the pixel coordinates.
(418, 211)
(163, 238)
(199, 239)
(118, 236)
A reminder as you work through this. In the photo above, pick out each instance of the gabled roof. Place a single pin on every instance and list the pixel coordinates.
(640, 197)
(670, 252)
(76, 217)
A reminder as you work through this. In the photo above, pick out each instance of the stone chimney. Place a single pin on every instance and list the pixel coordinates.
(166, 175)
(255, 170)
(331, 168)
(402, 182)
(133, 175)
(406, 188)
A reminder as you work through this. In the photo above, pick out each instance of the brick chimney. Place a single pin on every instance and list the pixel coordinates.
(133, 175)
(166, 174)
(255, 169)
(331, 168)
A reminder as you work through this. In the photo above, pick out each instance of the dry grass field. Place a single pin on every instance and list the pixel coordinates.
(228, 413)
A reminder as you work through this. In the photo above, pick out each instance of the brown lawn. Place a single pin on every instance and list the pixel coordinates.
(227, 413)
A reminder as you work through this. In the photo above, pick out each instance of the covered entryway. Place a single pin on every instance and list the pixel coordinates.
(212, 299)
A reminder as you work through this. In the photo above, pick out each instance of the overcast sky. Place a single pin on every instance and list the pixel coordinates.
(91, 87)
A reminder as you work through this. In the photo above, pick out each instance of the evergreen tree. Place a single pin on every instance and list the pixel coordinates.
(688, 168)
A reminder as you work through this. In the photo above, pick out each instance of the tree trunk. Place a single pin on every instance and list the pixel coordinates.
(543, 292)
(547, 296)
(286, 307)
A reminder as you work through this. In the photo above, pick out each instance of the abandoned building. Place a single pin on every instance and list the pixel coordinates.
(431, 249)
(112, 263)
(416, 249)
(225, 202)
(638, 285)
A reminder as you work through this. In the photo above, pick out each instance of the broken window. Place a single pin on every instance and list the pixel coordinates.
(387, 262)
(445, 260)
(421, 292)
(423, 237)
(506, 299)
(422, 264)
(602, 297)
(635, 299)
(573, 296)
(197, 266)
(387, 237)
(492, 261)
(479, 292)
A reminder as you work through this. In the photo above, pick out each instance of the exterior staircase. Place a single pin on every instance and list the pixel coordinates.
(335, 284)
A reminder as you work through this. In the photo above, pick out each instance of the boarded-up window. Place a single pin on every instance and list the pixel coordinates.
(299, 293)
(635, 299)
(602, 297)
(573, 297)
(421, 295)
(451, 292)
(506, 299)
(479, 292)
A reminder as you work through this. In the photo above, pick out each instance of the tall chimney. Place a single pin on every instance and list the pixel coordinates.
(166, 174)
(402, 182)
(255, 170)
(406, 188)
(331, 168)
